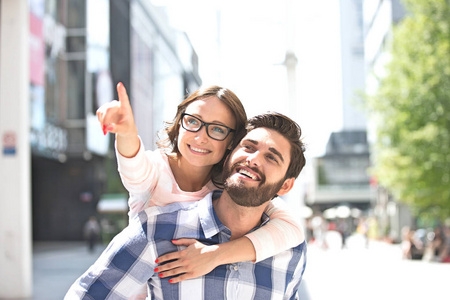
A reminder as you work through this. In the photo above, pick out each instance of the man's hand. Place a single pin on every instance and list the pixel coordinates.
(194, 261)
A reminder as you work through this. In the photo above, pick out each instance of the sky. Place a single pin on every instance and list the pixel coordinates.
(242, 46)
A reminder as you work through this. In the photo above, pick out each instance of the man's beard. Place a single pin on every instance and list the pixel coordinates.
(250, 196)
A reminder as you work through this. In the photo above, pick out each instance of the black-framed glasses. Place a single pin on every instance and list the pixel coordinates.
(215, 131)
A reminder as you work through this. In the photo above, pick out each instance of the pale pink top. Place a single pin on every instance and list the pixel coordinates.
(150, 182)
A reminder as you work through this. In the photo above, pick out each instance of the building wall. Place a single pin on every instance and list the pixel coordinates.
(352, 64)
(15, 186)
(342, 174)
(88, 46)
(379, 18)
(64, 196)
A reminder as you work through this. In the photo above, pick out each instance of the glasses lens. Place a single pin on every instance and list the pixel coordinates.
(191, 123)
(217, 132)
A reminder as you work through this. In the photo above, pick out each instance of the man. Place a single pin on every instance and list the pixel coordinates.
(263, 165)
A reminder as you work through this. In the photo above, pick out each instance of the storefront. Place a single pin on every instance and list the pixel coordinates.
(79, 50)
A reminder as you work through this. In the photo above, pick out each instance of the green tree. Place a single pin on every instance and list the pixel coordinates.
(412, 109)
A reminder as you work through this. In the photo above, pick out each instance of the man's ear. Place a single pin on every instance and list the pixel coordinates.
(288, 184)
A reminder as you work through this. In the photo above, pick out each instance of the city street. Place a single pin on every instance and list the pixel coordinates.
(376, 272)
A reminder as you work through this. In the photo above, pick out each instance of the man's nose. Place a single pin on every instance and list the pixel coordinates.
(254, 159)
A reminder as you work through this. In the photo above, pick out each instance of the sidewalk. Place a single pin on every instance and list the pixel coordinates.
(56, 265)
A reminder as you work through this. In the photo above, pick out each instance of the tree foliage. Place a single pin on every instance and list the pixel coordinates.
(412, 106)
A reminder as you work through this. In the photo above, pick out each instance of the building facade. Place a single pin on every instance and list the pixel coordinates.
(341, 176)
(352, 64)
(379, 19)
(79, 51)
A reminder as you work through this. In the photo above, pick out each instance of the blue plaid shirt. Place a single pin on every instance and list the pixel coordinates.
(129, 260)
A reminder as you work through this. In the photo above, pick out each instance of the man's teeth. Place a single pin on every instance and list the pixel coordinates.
(199, 150)
(247, 173)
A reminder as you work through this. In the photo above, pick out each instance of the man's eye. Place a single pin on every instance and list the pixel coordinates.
(273, 158)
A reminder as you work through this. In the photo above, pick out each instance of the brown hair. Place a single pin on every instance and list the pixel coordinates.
(225, 95)
(288, 129)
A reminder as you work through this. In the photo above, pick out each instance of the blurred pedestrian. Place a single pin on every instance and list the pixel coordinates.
(444, 256)
(91, 232)
(435, 244)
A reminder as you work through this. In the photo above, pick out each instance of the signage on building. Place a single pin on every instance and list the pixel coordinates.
(37, 51)
(9, 141)
(54, 35)
(49, 140)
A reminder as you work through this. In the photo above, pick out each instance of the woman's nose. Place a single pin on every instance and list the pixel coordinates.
(201, 136)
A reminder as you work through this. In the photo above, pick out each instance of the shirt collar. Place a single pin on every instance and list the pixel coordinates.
(211, 224)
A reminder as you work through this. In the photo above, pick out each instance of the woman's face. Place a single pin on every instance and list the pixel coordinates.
(197, 148)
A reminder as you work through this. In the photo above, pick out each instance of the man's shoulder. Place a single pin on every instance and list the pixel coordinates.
(175, 208)
(170, 209)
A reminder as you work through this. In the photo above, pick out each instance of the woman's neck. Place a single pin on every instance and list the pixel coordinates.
(188, 177)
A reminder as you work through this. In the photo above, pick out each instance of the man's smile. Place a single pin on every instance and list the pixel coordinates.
(247, 172)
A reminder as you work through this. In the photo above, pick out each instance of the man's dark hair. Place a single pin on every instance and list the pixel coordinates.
(288, 129)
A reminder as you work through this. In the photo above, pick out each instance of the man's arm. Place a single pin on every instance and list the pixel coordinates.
(125, 265)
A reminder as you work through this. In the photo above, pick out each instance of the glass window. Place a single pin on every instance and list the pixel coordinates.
(54, 85)
(76, 13)
(76, 44)
(75, 89)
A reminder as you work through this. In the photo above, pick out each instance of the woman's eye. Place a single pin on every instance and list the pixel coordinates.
(218, 129)
(192, 121)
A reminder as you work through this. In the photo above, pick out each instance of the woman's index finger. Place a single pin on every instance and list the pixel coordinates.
(123, 96)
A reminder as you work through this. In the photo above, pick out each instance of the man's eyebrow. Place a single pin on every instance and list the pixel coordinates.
(275, 151)
(271, 149)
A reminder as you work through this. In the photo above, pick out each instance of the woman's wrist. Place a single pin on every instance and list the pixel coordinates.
(128, 145)
(235, 251)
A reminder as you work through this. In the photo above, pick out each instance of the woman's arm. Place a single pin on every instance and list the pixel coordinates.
(282, 232)
(199, 259)
(134, 165)
(139, 175)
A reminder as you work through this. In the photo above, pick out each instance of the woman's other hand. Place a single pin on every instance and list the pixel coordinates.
(196, 260)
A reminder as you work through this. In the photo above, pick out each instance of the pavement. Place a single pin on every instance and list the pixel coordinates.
(56, 265)
(371, 271)
(360, 272)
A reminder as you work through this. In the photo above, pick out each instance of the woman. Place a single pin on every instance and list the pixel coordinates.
(208, 124)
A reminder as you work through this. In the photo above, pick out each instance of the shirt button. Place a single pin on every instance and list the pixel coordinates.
(235, 268)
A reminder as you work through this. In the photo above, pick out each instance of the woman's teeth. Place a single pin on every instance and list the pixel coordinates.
(199, 150)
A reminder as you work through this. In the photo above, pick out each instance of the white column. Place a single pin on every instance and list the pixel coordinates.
(15, 167)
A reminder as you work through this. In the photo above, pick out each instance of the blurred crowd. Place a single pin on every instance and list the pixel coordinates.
(334, 234)
(426, 244)
(416, 244)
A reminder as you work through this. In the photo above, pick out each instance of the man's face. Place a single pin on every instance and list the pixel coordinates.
(254, 172)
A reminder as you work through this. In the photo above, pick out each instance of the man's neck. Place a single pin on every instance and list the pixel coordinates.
(239, 219)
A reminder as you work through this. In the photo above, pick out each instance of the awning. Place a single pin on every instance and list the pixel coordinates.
(112, 203)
